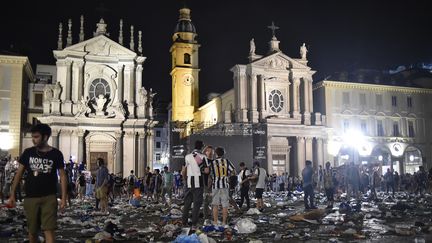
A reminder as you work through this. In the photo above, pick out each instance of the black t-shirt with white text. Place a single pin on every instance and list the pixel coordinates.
(41, 170)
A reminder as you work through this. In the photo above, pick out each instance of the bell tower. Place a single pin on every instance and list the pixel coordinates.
(185, 69)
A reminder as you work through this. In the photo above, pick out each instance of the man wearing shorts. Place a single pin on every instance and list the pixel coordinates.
(41, 162)
(260, 175)
(220, 170)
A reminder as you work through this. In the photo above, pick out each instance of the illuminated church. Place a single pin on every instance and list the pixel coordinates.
(98, 107)
(268, 116)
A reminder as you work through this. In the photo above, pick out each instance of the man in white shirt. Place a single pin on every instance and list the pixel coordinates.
(261, 175)
(194, 168)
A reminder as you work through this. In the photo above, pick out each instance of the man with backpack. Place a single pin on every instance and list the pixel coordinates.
(81, 186)
(244, 185)
(131, 184)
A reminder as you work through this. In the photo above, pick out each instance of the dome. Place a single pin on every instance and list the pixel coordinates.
(185, 26)
(184, 23)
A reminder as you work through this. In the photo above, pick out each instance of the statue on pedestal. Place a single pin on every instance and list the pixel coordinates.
(252, 47)
(303, 51)
(143, 96)
(100, 103)
(48, 93)
(57, 90)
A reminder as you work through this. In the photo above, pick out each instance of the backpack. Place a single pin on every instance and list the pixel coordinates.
(131, 181)
(82, 180)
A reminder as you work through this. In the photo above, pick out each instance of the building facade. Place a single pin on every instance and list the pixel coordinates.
(161, 146)
(97, 107)
(15, 74)
(377, 122)
(267, 116)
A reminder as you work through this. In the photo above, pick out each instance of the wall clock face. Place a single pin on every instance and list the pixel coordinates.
(188, 79)
(276, 100)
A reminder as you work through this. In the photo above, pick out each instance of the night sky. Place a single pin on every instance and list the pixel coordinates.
(340, 35)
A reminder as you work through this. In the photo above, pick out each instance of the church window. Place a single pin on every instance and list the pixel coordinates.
(276, 100)
(38, 99)
(187, 58)
(99, 86)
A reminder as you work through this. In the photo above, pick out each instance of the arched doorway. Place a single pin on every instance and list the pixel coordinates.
(100, 145)
(381, 156)
(412, 159)
(348, 154)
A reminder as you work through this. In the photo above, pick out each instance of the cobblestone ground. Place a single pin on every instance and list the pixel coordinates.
(404, 218)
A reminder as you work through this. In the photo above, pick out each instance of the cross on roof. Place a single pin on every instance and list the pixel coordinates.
(273, 27)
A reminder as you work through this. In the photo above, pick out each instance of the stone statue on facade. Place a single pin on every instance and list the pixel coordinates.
(48, 93)
(142, 96)
(303, 51)
(83, 106)
(116, 111)
(100, 103)
(252, 47)
(57, 90)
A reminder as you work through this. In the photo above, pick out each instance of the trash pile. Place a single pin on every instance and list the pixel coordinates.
(403, 217)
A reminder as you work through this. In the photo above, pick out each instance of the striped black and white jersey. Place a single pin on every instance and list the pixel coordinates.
(195, 163)
(220, 170)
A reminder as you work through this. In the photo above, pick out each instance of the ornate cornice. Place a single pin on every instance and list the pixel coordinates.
(371, 87)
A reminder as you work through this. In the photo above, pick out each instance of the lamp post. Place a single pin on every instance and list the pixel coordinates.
(5, 141)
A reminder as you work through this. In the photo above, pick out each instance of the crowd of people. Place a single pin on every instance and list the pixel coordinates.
(208, 179)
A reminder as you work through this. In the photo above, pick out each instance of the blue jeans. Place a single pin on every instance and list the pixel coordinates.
(308, 196)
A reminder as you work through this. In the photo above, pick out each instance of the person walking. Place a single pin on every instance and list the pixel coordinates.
(260, 174)
(194, 168)
(220, 170)
(207, 211)
(168, 182)
(244, 185)
(389, 179)
(131, 184)
(81, 182)
(101, 186)
(329, 184)
(307, 175)
(42, 163)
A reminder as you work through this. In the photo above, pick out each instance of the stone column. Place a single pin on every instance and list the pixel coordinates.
(141, 157)
(262, 96)
(81, 144)
(244, 94)
(129, 89)
(306, 111)
(325, 151)
(138, 77)
(300, 147)
(118, 165)
(320, 152)
(309, 151)
(253, 114)
(149, 148)
(295, 88)
(80, 80)
(67, 106)
(120, 85)
(55, 138)
(310, 95)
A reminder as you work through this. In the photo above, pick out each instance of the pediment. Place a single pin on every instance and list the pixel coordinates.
(100, 46)
(278, 60)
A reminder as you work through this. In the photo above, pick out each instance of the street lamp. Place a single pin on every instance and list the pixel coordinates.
(5, 141)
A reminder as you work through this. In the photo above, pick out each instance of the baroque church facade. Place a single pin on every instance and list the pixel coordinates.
(268, 116)
(98, 107)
